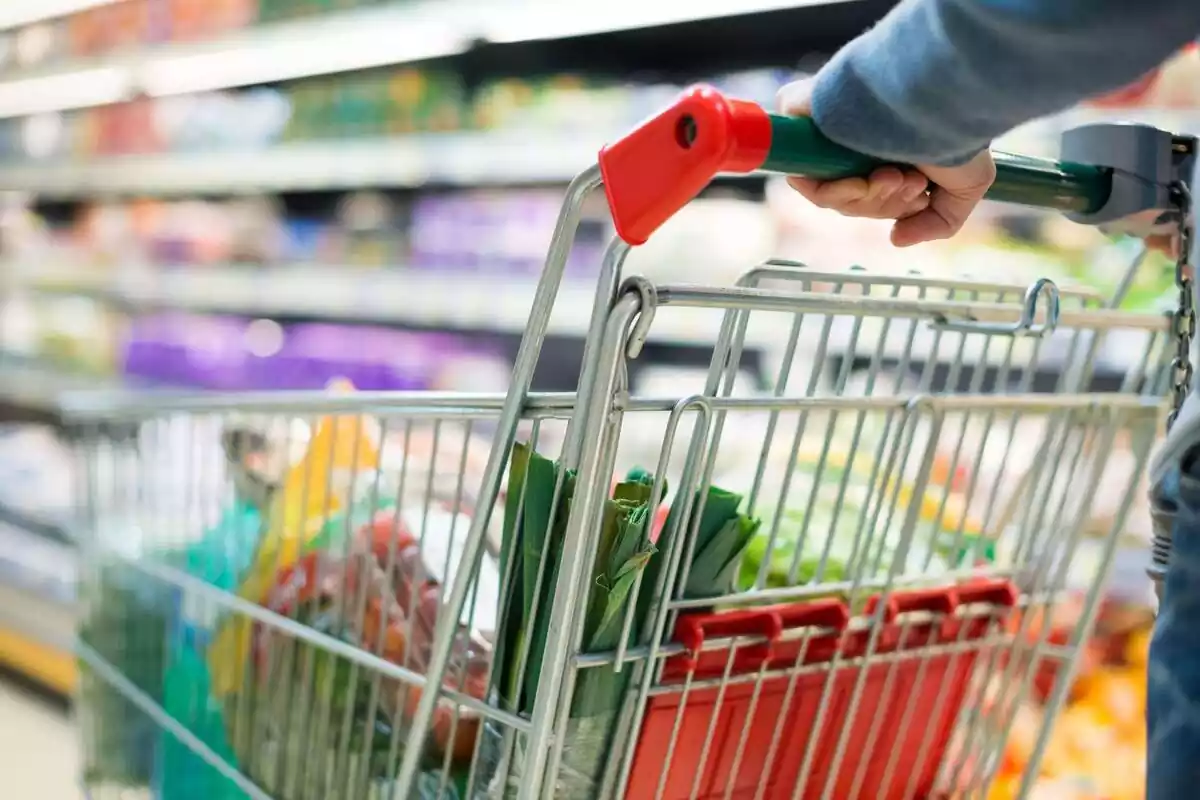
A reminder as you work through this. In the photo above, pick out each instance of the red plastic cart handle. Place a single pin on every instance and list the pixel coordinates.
(692, 631)
(658, 168)
(769, 623)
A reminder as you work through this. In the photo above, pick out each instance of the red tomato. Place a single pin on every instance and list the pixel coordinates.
(387, 526)
(465, 731)
(294, 585)
(394, 645)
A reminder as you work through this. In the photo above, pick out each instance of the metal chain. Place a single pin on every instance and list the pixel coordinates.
(1184, 329)
(1184, 318)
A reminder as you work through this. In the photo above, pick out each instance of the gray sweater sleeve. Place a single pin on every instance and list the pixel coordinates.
(936, 80)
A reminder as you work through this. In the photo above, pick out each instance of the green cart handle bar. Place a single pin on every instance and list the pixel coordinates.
(662, 165)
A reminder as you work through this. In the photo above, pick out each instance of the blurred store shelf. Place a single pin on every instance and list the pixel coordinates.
(23, 12)
(498, 303)
(39, 566)
(444, 300)
(460, 159)
(34, 522)
(37, 607)
(32, 391)
(341, 42)
(319, 45)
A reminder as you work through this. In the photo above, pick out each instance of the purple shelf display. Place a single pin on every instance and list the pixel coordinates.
(498, 232)
(226, 354)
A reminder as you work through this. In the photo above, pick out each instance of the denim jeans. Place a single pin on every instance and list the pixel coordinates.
(1173, 685)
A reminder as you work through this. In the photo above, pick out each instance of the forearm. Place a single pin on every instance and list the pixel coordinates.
(937, 80)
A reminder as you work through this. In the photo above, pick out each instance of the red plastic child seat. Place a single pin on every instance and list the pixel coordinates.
(903, 749)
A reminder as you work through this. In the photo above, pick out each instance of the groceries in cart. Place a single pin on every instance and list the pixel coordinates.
(743, 625)
(347, 530)
(353, 528)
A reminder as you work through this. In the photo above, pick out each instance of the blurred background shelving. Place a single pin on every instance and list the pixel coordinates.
(270, 194)
(223, 195)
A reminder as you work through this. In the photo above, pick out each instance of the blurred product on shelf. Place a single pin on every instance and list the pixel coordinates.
(373, 230)
(386, 102)
(245, 355)
(566, 103)
(248, 119)
(75, 332)
(501, 232)
(370, 104)
(36, 473)
(1098, 748)
(719, 237)
(272, 10)
(400, 100)
(126, 25)
(37, 44)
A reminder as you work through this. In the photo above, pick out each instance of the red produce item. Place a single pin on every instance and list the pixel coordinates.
(386, 527)
(457, 738)
(394, 646)
(399, 613)
(294, 586)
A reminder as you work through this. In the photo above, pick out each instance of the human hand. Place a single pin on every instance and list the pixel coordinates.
(928, 202)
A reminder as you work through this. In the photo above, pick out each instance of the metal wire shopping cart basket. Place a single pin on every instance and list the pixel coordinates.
(833, 586)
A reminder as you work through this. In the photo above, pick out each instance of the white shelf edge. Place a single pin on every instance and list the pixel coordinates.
(27, 384)
(422, 298)
(455, 300)
(320, 45)
(36, 566)
(465, 158)
(409, 297)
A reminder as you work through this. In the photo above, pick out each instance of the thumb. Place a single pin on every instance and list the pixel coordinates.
(795, 99)
(945, 215)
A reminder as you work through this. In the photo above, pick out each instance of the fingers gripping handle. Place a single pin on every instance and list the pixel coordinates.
(662, 165)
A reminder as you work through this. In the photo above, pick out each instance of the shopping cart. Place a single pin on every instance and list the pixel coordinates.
(837, 586)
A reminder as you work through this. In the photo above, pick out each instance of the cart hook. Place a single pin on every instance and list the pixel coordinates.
(1027, 325)
(648, 302)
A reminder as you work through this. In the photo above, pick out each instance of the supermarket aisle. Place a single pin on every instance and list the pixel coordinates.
(38, 751)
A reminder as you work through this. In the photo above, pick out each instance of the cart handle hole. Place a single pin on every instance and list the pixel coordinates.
(685, 131)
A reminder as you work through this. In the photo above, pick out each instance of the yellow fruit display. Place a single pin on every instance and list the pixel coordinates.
(1098, 748)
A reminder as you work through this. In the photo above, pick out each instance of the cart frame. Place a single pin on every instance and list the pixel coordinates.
(644, 188)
